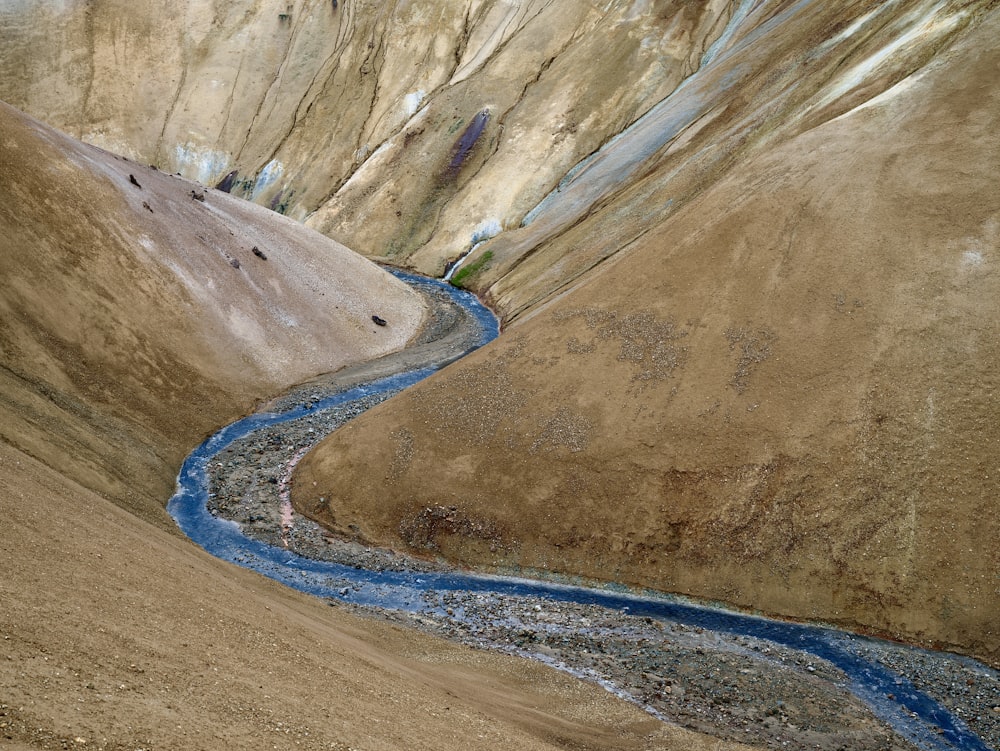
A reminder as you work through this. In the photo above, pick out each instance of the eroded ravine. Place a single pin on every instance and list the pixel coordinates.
(733, 675)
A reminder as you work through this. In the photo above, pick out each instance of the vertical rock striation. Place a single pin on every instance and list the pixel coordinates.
(753, 351)
(745, 249)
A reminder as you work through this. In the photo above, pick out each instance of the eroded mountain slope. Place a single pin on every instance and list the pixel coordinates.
(135, 316)
(128, 330)
(780, 70)
(779, 396)
(747, 245)
(412, 131)
(399, 128)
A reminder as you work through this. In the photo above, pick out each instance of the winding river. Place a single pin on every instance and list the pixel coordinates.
(891, 696)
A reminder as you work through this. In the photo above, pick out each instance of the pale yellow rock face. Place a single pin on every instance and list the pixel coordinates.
(413, 131)
(349, 117)
(770, 373)
(745, 252)
(126, 636)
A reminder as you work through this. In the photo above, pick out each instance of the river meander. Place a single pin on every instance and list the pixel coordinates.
(738, 675)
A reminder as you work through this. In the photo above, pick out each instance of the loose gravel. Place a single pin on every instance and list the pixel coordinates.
(734, 687)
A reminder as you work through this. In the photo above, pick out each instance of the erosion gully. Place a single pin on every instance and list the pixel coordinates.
(916, 698)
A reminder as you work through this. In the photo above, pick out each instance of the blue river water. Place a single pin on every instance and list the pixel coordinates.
(892, 697)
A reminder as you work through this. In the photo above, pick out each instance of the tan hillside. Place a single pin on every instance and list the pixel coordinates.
(135, 319)
(118, 635)
(745, 252)
(400, 129)
(780, 396)
(127, 334)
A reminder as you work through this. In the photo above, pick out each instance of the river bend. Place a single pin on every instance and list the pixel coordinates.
(705, 667)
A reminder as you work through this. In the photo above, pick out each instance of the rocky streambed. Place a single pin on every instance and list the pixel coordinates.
(731, 675)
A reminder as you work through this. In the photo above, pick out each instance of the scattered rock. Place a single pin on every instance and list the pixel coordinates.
(736, 687)
(131, 179)
(234, 262)
(146, 206)
(259, 253)
(378, 321)
(198, 195)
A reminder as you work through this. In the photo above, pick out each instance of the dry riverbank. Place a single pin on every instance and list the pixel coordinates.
(734, 687)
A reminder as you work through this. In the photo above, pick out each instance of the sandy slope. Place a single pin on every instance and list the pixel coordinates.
(781, 397)
(126, 636)
(135, 318)
(127, 334)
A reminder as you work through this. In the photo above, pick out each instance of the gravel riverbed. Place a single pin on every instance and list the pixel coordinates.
(734, 687)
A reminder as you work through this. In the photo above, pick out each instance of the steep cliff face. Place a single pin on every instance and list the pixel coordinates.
(777, 394)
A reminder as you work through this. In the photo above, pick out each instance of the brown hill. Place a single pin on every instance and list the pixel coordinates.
(136, 317)
(780, 396)
(400, 129)
(747, 250)
(126, 334)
